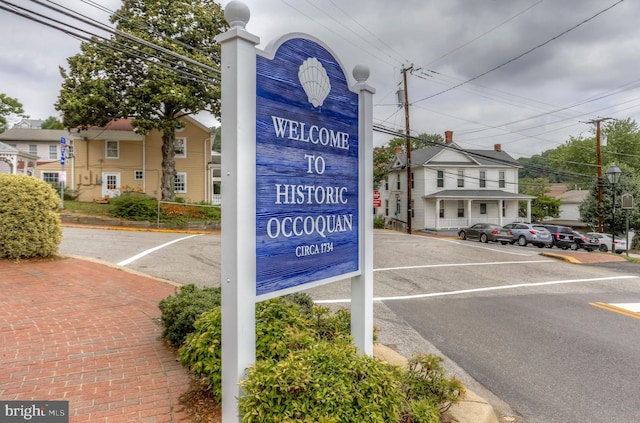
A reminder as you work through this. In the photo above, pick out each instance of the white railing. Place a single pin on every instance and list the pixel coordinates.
(216, 199)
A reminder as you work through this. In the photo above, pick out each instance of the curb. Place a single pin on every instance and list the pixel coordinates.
(471, 409)
(568, 259)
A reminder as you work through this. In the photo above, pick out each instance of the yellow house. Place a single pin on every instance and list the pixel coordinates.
(108, 161)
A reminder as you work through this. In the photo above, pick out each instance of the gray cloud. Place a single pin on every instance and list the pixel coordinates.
(443, 36)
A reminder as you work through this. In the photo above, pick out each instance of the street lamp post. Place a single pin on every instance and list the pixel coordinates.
(613, 175)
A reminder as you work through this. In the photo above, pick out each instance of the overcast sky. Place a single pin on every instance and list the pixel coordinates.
(526, 74)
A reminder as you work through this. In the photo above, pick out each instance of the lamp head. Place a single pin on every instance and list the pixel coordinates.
(613, 174)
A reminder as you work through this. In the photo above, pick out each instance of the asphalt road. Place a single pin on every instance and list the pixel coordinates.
(508, 319)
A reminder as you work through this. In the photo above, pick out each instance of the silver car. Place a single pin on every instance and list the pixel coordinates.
(527, 233)
(606, 242)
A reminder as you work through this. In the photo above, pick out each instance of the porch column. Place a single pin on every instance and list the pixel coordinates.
(500, 208)
(468, 213)
(529, 210)
(437, 216)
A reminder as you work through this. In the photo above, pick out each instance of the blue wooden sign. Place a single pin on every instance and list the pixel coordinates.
(307, 187)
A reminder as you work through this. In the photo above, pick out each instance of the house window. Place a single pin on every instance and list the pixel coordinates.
(504, 209)
(398, 183)
(33, 149)
(386, 183)
(412, 182)
(442, 208)
(53, 152)
(113, 149)
(483, 179)
(180, 147)
(138, 175)
(50, 177)
(483, 208)
(460, 178)
(460, 208)
(386, 207)
(501, 182)
(180, 183)
(440, 179)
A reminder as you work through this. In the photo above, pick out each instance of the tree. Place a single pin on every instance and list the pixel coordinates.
(382, 156)
(52, 123)
(542, 206)
(162, 64)
(629, 183)
(9, 106)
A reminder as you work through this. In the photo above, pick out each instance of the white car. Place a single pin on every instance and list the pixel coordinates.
(606, 241)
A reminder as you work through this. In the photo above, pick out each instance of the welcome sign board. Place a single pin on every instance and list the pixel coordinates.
(307, 165)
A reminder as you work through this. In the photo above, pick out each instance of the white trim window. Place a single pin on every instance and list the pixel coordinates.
(180, 183)
(460, 178)
(483, 179)
(53, 152)
(52, 178)
(33, 149)
(138, 175)
(501, 179)
(112, 149)
(180, 147)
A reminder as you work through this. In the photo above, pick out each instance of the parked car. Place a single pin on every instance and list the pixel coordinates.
(527, 233)
(585, 242)
(562, 236)
(485, 232)
(606, 241)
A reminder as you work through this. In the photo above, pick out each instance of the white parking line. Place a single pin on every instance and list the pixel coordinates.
(383, 269)
(151, 250)
(485, 289)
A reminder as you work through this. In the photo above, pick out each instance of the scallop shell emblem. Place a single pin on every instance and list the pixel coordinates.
(314, 80)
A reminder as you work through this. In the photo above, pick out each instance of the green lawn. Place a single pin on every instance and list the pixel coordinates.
(87, 208)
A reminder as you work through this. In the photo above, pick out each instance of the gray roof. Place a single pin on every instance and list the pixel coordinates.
(471, 194)
(30, 134)
(424, 157)
(6, 148)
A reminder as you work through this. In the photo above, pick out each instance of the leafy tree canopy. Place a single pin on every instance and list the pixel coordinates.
(52, 123)
(9, 107)
(629, 183)
(542, 206)
(132, 75)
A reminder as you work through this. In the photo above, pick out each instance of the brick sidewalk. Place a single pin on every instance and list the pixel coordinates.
(84, 332)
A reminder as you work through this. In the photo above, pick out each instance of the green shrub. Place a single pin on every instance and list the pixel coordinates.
(202, 351)
(328, 382)
(29, 217)
(280, 328)
(378, 222)
(425, 379)
(423, 411)
(180, 311)
(134, 206)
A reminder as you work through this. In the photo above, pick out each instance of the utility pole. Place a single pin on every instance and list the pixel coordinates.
(599, 160)
(408, 144)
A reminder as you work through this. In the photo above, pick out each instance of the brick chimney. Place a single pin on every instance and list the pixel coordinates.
(497, 147)
(448, 137)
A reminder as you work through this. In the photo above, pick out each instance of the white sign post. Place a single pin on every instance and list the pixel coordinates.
(297, 185)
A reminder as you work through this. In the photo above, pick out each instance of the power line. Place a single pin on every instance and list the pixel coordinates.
(522, 54)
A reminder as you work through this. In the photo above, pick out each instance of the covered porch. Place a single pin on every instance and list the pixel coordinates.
(15, 161)
(453, 209)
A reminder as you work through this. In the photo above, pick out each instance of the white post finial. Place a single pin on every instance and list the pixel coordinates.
(361, 73)
(237, 14)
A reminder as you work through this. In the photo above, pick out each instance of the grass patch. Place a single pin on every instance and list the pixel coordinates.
(93, 209)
